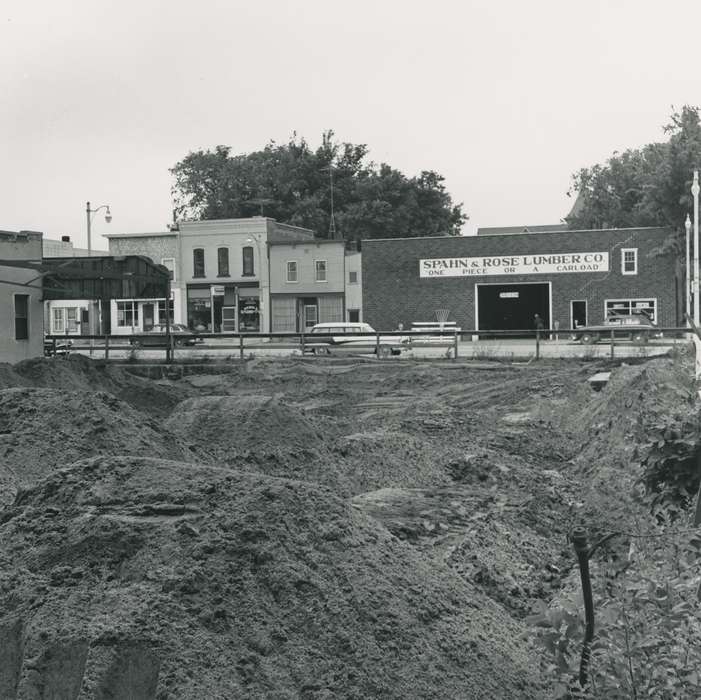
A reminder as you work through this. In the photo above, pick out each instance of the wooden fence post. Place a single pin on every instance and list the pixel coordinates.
(612, 343)
(240, 347)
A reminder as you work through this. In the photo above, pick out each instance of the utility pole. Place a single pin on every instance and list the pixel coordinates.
(332, 221)
(695, 192)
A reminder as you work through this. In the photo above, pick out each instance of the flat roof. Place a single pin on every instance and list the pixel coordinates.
(521, 235)
(140, 235)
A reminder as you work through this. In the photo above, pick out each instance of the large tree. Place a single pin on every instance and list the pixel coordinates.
(294, 184)
(649, 186)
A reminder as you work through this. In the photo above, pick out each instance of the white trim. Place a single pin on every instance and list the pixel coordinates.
(623, 261)
(326, 270)
(287, 272)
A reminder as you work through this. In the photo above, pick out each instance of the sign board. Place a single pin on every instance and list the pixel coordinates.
(508, 295)
(536, 264)
(218, 290)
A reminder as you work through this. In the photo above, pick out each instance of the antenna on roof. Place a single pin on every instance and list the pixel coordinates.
(332, 220)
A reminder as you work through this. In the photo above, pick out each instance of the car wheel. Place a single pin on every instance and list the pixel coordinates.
(135, 342)
(179, 342)
(385, 351)
(641, 338)
(590, 338)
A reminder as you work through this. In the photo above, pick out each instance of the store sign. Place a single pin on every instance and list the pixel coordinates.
(218, 290)
(508, 295)
(539, 264)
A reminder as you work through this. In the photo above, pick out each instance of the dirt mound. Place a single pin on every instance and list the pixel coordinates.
(156, 579)
(78, 372)
(42, 429)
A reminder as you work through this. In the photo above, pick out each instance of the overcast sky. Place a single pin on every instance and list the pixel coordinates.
(506, 99)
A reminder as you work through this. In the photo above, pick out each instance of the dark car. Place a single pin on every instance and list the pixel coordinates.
(157, 337)
(637, 327)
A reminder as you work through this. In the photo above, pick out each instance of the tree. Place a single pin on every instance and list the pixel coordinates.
(649, 186)
(293, 183)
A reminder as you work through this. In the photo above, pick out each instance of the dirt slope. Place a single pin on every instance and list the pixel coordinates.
(126, 577)
(42, 429)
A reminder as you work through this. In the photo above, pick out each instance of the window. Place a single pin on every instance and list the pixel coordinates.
(354, 315)
(352, 277)
(72, 323)
(198, 262)
(292, 271)
(127, 314)
(21, 316)
(247, 253)
(57, 322)
(162, 312)
(320, 266)
(626, 307)
(629, 261)
(223, 262)
(170, 264)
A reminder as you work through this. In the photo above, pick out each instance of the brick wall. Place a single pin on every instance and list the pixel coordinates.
(394, 292)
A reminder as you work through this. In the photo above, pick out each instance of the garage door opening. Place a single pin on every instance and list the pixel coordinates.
(509, 307)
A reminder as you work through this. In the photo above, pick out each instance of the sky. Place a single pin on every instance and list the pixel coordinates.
(504, 98)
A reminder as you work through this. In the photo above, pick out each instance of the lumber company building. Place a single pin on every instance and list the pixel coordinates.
(499, 281)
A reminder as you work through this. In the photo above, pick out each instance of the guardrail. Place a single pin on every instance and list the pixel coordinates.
(243, 343)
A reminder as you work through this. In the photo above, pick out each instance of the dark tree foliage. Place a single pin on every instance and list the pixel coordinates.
(292, 183)
(649, 186)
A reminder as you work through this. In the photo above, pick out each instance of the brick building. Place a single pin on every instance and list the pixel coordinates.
(499, 282)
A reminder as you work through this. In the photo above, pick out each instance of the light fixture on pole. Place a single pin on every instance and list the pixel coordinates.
(687, 306)
(695, 193)
(90, 213)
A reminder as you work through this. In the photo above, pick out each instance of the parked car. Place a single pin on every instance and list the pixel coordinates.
(62, 347)
(349, 336)
(157, 337)
(636, 327)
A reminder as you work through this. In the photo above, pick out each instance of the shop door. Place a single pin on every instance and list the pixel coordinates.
(311, 315)
(579, 313)
(147, 311)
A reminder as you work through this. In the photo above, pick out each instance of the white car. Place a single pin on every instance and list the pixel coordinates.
(330, 338)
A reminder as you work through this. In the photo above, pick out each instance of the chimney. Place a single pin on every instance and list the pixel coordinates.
(65, 239)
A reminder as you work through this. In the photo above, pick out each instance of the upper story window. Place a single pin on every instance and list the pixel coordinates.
(170, 264)
(352, 277)
(320, 266)
(291, 270)
(222, 262)
(247, 253)
(21, 316)
(198, 262)
(629, 261)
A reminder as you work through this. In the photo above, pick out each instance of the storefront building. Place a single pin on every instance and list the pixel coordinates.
(219, 274)
(499, 282)
(307, 283)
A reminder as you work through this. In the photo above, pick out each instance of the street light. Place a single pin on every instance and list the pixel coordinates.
(687, 226)
(90, 213)
(695, 192)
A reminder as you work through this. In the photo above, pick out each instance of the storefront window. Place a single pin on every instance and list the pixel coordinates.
(162, 312)
(127, 314)
(249, 315)
(199, 309)
(625, 307)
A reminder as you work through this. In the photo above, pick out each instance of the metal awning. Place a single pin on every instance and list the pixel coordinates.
(103, 277)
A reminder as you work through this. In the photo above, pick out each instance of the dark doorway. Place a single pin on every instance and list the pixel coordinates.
(579, 314)
(147, 310)
(509, 307)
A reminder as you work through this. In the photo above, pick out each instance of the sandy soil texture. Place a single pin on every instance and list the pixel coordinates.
(290, 529)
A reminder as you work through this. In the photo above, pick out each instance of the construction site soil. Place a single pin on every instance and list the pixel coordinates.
(302, 529)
